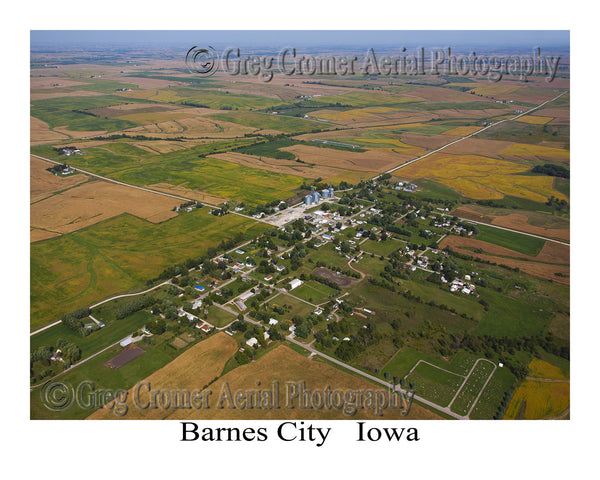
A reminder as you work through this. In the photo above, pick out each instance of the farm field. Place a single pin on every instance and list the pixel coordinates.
(81, 267)
(96, 201)
(193, 369)
(280, 363)
(483, 178)
(536, 400)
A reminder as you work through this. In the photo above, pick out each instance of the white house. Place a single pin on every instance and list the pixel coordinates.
(251, 342)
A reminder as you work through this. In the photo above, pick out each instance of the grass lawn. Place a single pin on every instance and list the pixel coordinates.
(219, 317)
(384, 248)
(314, 292)
(489, 402)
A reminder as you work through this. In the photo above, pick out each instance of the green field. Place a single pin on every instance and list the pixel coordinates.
(61, 111)
(314, 292)
(77, 269)
(434, 384)
(384, 248)
(514, 241)
(218, 317)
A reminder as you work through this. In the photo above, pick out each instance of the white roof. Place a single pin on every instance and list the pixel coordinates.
(251, 342)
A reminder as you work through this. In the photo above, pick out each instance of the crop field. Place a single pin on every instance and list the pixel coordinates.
(542, 369)
(78, 268)
(461, 131)
(286, 167)
(483, 178)
(535, 119)
(58, 112)
(511, 240)
(525, 150)
(95, 201)
(371, 160)
(365, 99)
(216, 177)
(193, 369)
(535, 400)
(265, 121)
(39, 132)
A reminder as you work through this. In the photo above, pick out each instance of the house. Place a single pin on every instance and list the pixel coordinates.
(280, 268)
(205, 328)
(295, 283)
(241, 252)
(251, 342)
(272, 321)
(268, 278)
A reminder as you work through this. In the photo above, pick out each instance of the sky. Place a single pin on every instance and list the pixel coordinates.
(308, 38)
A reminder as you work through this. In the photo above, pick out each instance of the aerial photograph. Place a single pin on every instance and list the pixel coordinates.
(299, 225)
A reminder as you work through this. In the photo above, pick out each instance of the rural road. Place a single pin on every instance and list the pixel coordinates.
(435, 406)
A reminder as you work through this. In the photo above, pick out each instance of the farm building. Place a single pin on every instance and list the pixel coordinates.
(295, 283)
(246, 296)
(251, 342)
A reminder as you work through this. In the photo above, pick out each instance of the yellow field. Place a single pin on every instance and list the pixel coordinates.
(495, 90)
(536, 120)
(526, 150)
(537, 400)
(393, 143)
(483, 178)
(193, 369)
(349, 115)
(542, 369)
(165, 96)
(462, 131)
